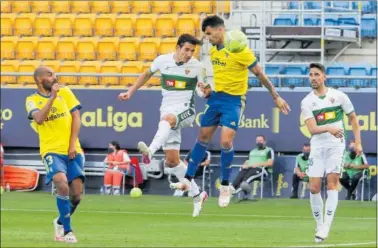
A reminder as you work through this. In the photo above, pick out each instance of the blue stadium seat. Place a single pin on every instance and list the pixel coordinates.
(317, 4)
(367, 6)
(359, 70)
(331, 20)
(334, 70)
(253, 82)
(311, 20)
(373, 72)
(348, 20)
(272, 70)
(294, 70)
(293, 5)
(369, 26)
(341, 4)
(286, 20)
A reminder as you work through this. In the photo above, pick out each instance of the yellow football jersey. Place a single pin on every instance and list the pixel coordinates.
(231, 70)
(55, 132)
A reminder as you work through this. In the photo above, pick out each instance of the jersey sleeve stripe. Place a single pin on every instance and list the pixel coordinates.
(252, 65)
(30, 117)
(75, 108)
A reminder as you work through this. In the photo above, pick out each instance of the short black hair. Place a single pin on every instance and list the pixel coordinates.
(261, 135)
(116, 145)
(318, 66)
(306, 145)
(187, 38)
(212, 21)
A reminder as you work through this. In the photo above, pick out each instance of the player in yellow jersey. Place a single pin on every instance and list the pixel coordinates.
(54, 111)
(225, 104)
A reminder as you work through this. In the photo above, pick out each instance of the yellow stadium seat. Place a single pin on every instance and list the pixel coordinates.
(141, 6)
(203, 7)
(69, 67)
(9, 66)
(161, 6)
(149, 48)
(166, 25)
(41, 6)
(121, 7)
(124, 25)
(187, 23)
(25, 48)
(44, 25)
(21, 7)
(52, 64)
(223, 6)
(167, 45)
(46, 48)
(66, 48)
(154, 81)
(83, 25)
(107, 49)
(7, 21)
(101, 6)
(131, 67)
(104, 25)
(110, 67)
(182, 7)
(197, 52)
(58, 6)
(81, 6)
(23, 24)
(27, 66)
(128, 49)
(86, 48)
(89, 67)
(6, 6)
(145, 24)
(63, 25)
(8, 47)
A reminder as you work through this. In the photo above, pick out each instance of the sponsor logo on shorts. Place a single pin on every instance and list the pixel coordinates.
(233, 124)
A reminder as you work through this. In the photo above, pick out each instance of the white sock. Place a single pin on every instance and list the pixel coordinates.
(316, 202)
(161, 136)
(330, 206)
(180, 171)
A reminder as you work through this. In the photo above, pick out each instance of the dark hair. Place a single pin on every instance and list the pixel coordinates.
(187, 38)
(318, 66)
(260, 135)
(116, 145)
(212, 21)
(306, 144)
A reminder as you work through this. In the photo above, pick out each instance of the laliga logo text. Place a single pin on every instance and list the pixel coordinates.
(6, 115)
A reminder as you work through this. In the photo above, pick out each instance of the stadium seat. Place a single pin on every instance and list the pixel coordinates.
(81, 6)
(182, 7)
(101, 7)
(8, 47)
(128, 49)
(286, 20)
(331, 20)
(153, 81)
(369, 26)
(334, 70)
(110, 67)
(203, 7)
(167, 45)
(222, 6)
(161, 7)
(7, 21)
(63, 25)
(44, 25)
(149, 48)
(89, 67)
(23, 24)
(86, 48)
(141, 6)
(66, 48)
(373, 72)
(25, 48)
(21, 7)
(166, 25)
(46, 48)
(104, 25)
(311, 20)
(125, 25)
(293, 70)
(293, 5)
(61, 7)
(9, 66)
(83, 25)
(107, 49)
(6, 6)
(145, 24)
(187, 23)
(348, 20)
(123, 7)
(27, 66)
(130, 67)
(359, 70)
(53, 64)
(41, 6)
(341, 4)
(273, 70)
(71, 67)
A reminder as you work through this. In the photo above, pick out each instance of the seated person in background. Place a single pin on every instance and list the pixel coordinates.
(352, 171)
(301, 165)
(205, 162)
(260, 157)
(118, 163)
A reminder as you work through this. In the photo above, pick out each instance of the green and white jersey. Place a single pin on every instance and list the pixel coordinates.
(178, 82)
(327, 110)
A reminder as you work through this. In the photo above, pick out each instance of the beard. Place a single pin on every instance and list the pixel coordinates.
(47, 85)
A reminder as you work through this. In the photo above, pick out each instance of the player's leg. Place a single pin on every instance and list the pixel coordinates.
(108, 180)
(344, 180)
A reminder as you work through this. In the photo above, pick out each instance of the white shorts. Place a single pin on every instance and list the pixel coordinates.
(323, 161)
(185, 118)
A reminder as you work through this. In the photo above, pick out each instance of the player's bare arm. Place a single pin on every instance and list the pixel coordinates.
(75, 129)
(315, 129)
(281, 103)
(141, 80)
(356, 132)
(41, 115)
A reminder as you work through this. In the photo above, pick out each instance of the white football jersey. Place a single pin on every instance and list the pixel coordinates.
(327, 110)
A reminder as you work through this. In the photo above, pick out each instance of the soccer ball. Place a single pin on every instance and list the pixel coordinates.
(136, 193)
(235, 41)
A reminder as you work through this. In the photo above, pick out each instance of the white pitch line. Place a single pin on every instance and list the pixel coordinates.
(336, 245)
(184, 214)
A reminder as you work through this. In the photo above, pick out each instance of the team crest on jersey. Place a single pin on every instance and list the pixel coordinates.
(53, 110)
(40, 103)
(332, 100)
(187, 71)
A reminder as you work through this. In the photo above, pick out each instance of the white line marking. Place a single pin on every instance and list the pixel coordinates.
(183, 214)
(336, 245)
